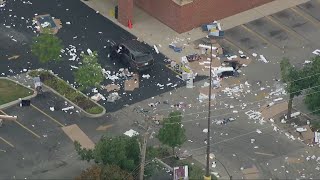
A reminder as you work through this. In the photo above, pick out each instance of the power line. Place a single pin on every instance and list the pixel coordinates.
(249, 102)
(195, 149)
(157, 110)
(238, 111)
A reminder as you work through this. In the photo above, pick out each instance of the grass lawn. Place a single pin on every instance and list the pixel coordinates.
(10, 91)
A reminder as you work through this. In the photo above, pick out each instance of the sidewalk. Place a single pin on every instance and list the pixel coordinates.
(153, 32)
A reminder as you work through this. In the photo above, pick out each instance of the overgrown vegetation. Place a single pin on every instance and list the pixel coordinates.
(67, 91)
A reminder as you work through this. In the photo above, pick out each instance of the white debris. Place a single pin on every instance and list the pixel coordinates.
(254, 54)
(252, 140)
(307, 62)
(156, 49)
(190, 140)
(98, 97)
(283, 121)
(213, 164)
(160, 85)
(51, 108)
(146, 76)
(240, 52)
(89, 52)
(131, 133)
(316, 52)
(67, 108)
(74, 67)
(235, 111)
(205, 130)
(263, 59)
(293, 115)
(258, 131)
(278, 99)
(113, 97)
(94, 90)
(300, 129)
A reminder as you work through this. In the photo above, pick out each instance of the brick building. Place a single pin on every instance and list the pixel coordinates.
(184, 15)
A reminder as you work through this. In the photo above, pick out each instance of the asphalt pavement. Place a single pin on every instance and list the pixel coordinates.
(83, 28)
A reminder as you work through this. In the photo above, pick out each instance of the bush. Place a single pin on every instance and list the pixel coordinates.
(67, 91)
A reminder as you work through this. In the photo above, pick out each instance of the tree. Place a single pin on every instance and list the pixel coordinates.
(312, 81)
(122, 151)
(291, 75)
(172, 133)
(46, 47)
(90, 72)
(102, 172)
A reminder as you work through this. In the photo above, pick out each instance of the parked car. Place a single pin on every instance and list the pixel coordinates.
(134, 54)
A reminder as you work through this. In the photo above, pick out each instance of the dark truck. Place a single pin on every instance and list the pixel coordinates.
(135, 54)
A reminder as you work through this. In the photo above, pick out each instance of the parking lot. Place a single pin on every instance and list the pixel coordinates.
(85, 29)
(292, 33)
(35, 145)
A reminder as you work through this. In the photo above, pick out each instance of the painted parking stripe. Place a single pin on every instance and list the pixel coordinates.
(7, 142)
(306, 16)
(286, 28)
(259, 36)
(24, 127)
(56, 121)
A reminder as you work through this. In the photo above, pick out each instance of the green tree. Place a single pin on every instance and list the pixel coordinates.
(312, 81)
(46, 47)
(102, 172)
(291, 75)
(172, 133)
(122, 151)
(89, 73)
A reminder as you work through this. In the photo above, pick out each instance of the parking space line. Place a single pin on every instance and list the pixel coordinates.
(286, 28)
(7, 142)
(259, 36)
(227, 40)
(306, 16)
(24, 127)
(47, 115)
(266, 154)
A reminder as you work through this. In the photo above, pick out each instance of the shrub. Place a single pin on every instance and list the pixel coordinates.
(67, 91)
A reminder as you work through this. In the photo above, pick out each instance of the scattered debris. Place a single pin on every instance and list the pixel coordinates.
(131, 133)
(111, 87)
(97, 97)
(316, 52)
(263, 59)
(51, 108)
(146, 76)
(113, 97)
(13, 57)
(67, 108)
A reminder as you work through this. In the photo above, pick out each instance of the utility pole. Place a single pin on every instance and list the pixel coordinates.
(144, 149)
(208, 176)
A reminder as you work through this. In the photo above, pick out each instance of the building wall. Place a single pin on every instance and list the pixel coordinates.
(184, 18)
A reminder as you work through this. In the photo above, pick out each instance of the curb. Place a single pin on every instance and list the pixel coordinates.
(15, 102)
(82, 110)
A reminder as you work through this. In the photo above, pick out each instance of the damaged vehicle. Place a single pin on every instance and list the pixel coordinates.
(134, 54)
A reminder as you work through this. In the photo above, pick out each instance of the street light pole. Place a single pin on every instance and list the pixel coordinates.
(208, 176)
